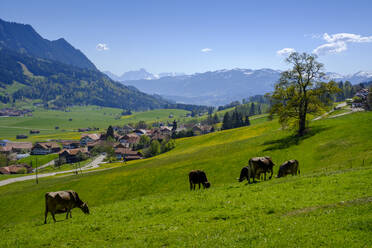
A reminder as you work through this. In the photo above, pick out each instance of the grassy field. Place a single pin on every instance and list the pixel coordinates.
(39, 159)
(82, 117)
(160, 115)
(148, 203)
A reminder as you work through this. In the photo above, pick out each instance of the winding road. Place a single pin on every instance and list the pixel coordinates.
(94, 164)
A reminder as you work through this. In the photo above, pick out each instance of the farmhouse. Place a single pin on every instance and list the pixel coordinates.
(88, 138)
(21, 147)
(15, 169)
(34, 131)
(130, 139)
(140, 132)
(73, 155)
(70, 144)
(44, 148)
(126, 154)
(201, 129)
(21, 136)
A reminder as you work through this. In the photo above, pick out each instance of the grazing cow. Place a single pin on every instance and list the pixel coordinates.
(62, 202)
(198, 177)
(289, 167)
(262, 165)
(247, 172)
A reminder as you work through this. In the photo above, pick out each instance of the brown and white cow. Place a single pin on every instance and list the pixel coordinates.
(62, 202)
(289, 167)
(198, 177)
(261, 165)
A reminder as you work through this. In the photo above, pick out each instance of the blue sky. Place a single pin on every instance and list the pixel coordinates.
(197, 36)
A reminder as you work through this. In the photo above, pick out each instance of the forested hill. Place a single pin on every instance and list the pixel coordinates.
(60, 85)
(24, 39)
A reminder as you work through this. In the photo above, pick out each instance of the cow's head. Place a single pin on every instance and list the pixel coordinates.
(207, 184)
(84, 208)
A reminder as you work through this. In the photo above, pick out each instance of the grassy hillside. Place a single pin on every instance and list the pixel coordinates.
(148, 203)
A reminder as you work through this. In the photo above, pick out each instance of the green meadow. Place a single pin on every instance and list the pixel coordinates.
(81, 117)
(147, 203)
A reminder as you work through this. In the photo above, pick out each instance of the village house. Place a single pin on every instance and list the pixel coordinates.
(93, 144)
(88, 138)
(129, 139)
(21, 136)
(43, 148)
(127, 129)
(73, 155)
(140, 132)
(126, 154)
(21, 147)
(4, 142)
(201, 129)
(34, 131)
(70, 144)
(9, 147)
(16, 169)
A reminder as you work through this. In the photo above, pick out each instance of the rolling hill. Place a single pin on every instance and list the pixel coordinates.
(148, 202)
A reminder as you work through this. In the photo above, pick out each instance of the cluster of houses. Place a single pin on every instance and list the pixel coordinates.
(15, 112)
(124, 144)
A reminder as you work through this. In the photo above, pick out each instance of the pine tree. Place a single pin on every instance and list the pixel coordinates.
(259, 111)
(110, 132)
(252, 110)
(216, 119)
(174, 126)
(226, 121)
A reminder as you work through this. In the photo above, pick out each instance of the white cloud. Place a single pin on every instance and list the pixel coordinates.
(337, 43)
(102, 47)
(206, 50)
(285, 51)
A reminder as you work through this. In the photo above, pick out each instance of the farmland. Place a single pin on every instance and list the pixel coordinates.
(148, 203)
(81, 117)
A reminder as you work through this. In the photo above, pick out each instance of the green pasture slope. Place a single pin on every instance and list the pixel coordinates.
(82, 117)
(147, 203)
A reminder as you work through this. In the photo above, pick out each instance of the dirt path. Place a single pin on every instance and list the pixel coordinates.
(94, 164)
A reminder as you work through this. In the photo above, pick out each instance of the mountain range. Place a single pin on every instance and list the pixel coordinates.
(140, 74)
(222, 86)
(59, 75)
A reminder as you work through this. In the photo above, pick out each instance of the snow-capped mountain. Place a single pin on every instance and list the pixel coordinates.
(140, 74)
(212, 87)
(217, 87)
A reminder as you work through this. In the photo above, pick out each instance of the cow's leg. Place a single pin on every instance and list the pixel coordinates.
(272, 172)
(70, 214)
(191, 185)
(199, 185)
(46, 215)
(67, 212)
(54, 218)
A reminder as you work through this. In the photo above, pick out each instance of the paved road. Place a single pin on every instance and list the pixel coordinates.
(94, 164)
(45, 165)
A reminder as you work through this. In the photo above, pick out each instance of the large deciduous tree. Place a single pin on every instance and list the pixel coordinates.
(300, 91)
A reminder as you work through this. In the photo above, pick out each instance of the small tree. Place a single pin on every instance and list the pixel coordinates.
(247, 121)
(155, 148)
(110, 132)
(299, 91)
